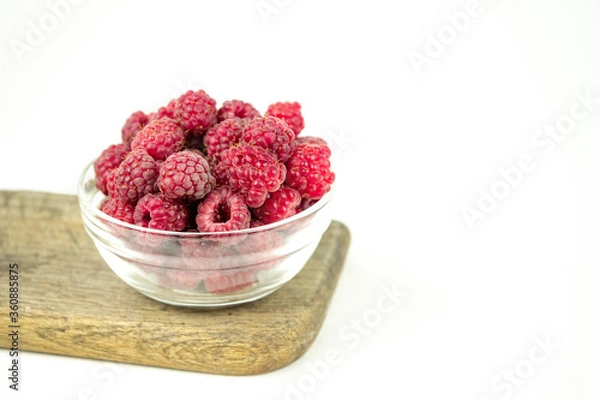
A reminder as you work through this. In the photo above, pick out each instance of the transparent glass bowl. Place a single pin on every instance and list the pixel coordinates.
(203, 269)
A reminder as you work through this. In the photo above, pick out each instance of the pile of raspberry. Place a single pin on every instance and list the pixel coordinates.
(193, 166)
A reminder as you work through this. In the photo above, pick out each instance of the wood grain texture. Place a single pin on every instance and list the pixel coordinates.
(71, 303)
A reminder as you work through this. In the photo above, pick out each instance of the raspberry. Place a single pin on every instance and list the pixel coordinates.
(133, 125)
(160, 138)
(259, 247)
(200, 254)
(271, 133)
(108, 160)
(261, 243)
(196, 111)
(181, 279)
(134, 178)
(305, 204)
(236, 108)
(110, 183)
(118, 209)
(223, 135)
(185, 175)
(219, 171)
(155, 211)
(253, 171)
(222, 210)
(312, 140)
(165, 111)
(308, 170)
(289, 112)
(193, 142)
(229, 281)
(279, 205)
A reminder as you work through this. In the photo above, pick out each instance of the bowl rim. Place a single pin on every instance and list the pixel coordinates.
(89, 209)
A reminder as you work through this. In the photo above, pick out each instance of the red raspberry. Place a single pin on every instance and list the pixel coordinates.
(236, 108)
(155, 211)
(223, 135)
(222, 210)
(185, 175)
(110, 182)
(133, 125)
(165, 111)
(309, 170)
(229, 281)
(118, 209)
(258, 249)
(289, 112)
(279, 205)
(134, 178)
(193, 142)
(272, 134)
(160, 138)
(196, 111)
(219, 171)
(108, 160)
(201, 254)
(181, 279)
(312, 140)
(179, 274)
(306, 203)
(253, 171)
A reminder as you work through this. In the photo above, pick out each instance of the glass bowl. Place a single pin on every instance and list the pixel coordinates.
(203, 269)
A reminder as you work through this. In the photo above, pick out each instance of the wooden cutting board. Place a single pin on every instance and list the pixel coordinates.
(71, 303)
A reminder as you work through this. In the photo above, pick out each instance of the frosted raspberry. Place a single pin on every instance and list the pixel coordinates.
(110, 182)
(108, 160)
(133, 125)
(193, 142)
(155, 211)
(260, 244)
(134, 178)
(253, 171)
(272, 134)
(236, 108)
(289, 112)
(222, 210)
(258, 249)
(219, 171)
(229, 281)
(165, 111)
(306, 203)
(118, 209)
(200, 254)
(185, 175)
(309, 170)
(223, 135)
(312, 140)
(160, 138)
(180, 275)
(181, 279)
(279, 205)
(204, 254)
(196, 111)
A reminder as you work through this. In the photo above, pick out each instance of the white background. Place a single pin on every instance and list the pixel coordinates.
(415, 145)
